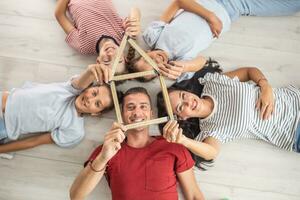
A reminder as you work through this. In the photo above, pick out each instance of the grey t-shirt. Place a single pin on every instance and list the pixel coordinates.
(45, 108)
(186, 35)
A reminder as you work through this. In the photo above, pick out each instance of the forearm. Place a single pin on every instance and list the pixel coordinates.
(249, 74)
(170, 12)
(87, 180)
(61, 17)
(193, 65)
(194, 7)
(202, 149)
(190, 188)
(26, 143)
(84, 80)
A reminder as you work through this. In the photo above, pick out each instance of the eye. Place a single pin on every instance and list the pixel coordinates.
(183, 95)
(180, 108)
(94, 93)
(144, 107)
(130, 107)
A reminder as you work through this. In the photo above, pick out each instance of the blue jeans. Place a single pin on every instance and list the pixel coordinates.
(297, 139)
(3, 133)
(237, 8)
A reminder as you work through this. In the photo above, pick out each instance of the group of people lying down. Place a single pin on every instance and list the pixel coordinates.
(212, 106)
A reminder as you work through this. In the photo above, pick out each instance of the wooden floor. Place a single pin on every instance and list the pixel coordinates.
(32, 48)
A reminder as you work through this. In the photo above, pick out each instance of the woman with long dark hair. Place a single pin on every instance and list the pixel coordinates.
(215, 108)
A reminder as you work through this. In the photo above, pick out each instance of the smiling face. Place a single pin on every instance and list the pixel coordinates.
(185, 104)
(158, 56)
(107, 53)
(136, 108)
(93, 100)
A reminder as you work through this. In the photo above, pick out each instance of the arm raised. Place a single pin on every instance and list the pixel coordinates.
(61, 17)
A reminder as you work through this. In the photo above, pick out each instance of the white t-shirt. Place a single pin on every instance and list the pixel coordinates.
(45, 108)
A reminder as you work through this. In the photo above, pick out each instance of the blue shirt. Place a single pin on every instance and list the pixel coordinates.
(186, 35)
(45, 108)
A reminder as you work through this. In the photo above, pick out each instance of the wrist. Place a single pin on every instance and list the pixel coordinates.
(209, 16)
(262, 82)
(101, 158)
(184, 141)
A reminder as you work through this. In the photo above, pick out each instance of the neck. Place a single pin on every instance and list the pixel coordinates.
(139, 139)
(207, 108)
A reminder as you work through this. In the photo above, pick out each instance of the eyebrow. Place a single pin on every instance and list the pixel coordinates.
(143, 103)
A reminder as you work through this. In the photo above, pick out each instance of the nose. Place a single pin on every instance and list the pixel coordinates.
(137, 112)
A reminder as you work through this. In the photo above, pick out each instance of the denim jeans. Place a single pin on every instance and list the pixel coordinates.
(3, 134)
(237, 8)
(297, 139)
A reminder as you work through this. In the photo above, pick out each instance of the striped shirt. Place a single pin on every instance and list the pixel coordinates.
(92, 19)
(235, 117)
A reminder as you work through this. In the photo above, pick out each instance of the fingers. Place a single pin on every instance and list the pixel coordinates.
(102, 73)
(99, 74)
(132, 27)
(170, 71)
(268, 112)
(116, 125)
(171, 131)
(116, 136)
(92, 68)
(105, 72)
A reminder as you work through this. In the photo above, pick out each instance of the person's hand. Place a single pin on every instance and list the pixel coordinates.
(215, 25)
(171, 70)
(132, 27)
(101, 72)
(265, 102)
(172, 132)
(112, 141)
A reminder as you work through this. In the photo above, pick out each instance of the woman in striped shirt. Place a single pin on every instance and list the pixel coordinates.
(229, 107)
(94, 27)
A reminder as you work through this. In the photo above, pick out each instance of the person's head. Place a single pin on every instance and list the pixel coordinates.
(194, 89)
(94, 100)
(140, 64)
(136, 106)
(107, 48)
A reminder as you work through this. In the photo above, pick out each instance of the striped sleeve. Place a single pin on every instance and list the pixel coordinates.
(72, 39)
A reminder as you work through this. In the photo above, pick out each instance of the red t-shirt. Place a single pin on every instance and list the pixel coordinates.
(93, 19)
(146, 173)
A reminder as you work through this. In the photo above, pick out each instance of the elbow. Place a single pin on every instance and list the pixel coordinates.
(211, 155)
(57, 15)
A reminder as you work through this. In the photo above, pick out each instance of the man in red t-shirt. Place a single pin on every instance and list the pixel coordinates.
(138, 166)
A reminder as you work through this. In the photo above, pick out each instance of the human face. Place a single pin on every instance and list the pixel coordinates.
(185, 104)
(136, 108)
(107, 53)
(158, 56)
(93, 100)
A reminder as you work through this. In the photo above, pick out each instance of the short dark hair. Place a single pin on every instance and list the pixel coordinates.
(104, 37)
(136, 90)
